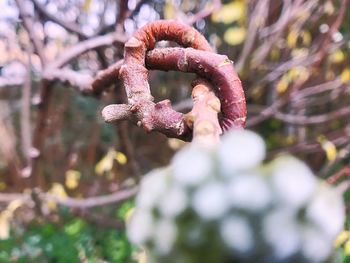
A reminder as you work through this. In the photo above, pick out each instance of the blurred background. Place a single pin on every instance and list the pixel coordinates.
(291, 55)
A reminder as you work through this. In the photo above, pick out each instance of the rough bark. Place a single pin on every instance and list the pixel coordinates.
(197, 58)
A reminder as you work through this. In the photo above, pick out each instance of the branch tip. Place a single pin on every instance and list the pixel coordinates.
(116, 112)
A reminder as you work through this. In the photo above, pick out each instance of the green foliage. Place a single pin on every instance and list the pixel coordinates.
(73, 240)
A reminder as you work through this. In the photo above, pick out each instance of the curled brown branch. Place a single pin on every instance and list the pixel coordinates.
(198, 58)
(218, 69)
(215, 68)
(134, 75)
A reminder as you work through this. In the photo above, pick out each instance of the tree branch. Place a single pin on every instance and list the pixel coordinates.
(215, 68)
(29, 26)
(321, 118)
(69, 26)
(89, 202)
(203, 118)
(85, 46)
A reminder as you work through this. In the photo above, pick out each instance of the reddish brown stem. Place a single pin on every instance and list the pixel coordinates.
(335, 178)
(106, 77)
(198, 59)
(134, 75)
(216, 68)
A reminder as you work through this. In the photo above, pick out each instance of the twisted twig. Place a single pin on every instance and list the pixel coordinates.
(198, 59)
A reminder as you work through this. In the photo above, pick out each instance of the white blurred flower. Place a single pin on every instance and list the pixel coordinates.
(280, 216)
(337, 37)
(327, 211)
(173, 202)
(210, 201)
(315, 246)
(237, 234)
(153, 185)
(249, 192)
(192, 165)
(293, 181)
(140, 227)
(281, 231)
(240, 150)
(165, 236)
(323, 28)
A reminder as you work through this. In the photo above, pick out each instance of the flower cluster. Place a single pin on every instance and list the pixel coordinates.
(224, 205)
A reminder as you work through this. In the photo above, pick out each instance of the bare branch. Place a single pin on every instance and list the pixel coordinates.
(207, 11)
(267, 112)
(257, 20)
(29, 26)
(89, 202)
(79, 80)
(93, 201)
(325, 44)
(69, 26)
(26, 131)
(302, 119)
(85, 46)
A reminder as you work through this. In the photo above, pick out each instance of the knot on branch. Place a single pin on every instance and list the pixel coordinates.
(195, 56)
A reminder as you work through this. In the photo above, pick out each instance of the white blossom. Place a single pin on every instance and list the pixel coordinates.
(337, 37)
(249, 192)
(326, 210)
(237, 233)
(191, 166)
(315, 246)
(245, 206)
(153, 185)
(240, 150)
(210, 201)
(165, 236)
(324, 28)
(173, 202)
(293, 181)
(140, 227)
(281, 231)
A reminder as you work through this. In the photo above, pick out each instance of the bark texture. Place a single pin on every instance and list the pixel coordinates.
(196, 57)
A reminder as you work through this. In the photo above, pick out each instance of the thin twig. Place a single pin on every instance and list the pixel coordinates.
(207, 11)
(29, 26)
(25, 117)
(69, 26)
(258, 18)
(335, 178)
(317, 119)
(93, 201)
(85, 46)
(89, 202)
